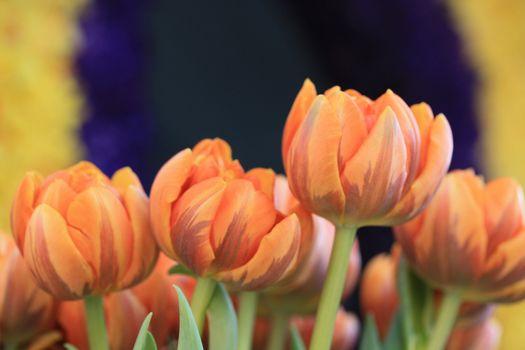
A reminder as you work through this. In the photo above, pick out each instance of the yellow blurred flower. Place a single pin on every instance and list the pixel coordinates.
(39, 99)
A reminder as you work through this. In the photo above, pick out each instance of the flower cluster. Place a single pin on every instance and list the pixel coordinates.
(264, 259)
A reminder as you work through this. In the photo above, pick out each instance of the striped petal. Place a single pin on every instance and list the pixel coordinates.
(53, 257)
(166, 188)
(424, 118)
(297, 114)
(276, 255)
(373, 179)
(102, 231)
(439, 154)
(354, 130)
(313, 162)
(192, 217)
(263, 180)
(58, 195)
(22, 207)
(244, 216)
(145, 249)
(452, 241)
(409, 128)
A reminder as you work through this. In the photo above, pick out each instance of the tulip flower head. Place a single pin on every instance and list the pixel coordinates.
(25, 310)
(220, 222)
(470, 239)
(82, 233)
(360, 162)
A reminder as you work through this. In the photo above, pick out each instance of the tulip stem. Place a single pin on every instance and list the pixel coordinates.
(333, 288)
(279, 331)
(247, 311)
(201, 299)
(446, 318)
(96, 324)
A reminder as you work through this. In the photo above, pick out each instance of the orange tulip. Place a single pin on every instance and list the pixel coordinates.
(157, 295)
(346, 332)
(25, 310)
(360, 162)
(299, 292)
(82, 233)
(219, 221)
(124, 315)
(379, 295)
(470, 239)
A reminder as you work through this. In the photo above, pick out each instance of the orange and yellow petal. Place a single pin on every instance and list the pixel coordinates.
(123, 178)
(23, 206)
(313, 161)
(373, 179)
(263, 180)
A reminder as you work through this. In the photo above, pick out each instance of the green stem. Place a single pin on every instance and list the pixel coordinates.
(279, 331)
(96, 324)
(247, 311)
(445, 321)
(333, 288)
(201, 299)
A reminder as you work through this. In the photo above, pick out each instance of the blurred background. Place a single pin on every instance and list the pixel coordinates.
(129, 82)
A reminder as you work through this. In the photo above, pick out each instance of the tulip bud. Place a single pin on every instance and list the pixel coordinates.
(470, 239)
(158, 296)
(300, 291)
(221, 222)
(379, 295)
(82, 233)
(360, 162)
(124, 315)
(25, 310)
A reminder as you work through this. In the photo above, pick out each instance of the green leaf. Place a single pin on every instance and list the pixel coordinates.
(370, 338)
(140, 342)
(181, 270)
(189, 338)
(416, 304)
(70, 346)
(394, 339)
(222, 321)
(297, 341)
(151, 344)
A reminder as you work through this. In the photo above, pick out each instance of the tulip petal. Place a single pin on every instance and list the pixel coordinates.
(410, 130)
(123, 178)
(426, 184)
(23, 206)
(453, 233)
(52, 256)
(58, 195)
(192, 217)
(144, 246)
(263, 180)
(503, 211)
(354, 130)
(166, 188)
(313, 169)
(297, 114)
(276, 255)
(424, 118)
(373, 179)
(102, 221)
(244, 216)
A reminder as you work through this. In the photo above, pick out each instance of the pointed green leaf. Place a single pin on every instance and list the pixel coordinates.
(370, 338)
(179, 269)
(143, 332)
(70, 346)
(394, 339)
(222, 321)
(151, 344)
(189, 338)
(297, 341)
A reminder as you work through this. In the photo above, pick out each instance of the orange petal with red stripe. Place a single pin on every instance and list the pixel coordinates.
(52, 256)
(373, 179)
(276, 255)
(314, 158)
